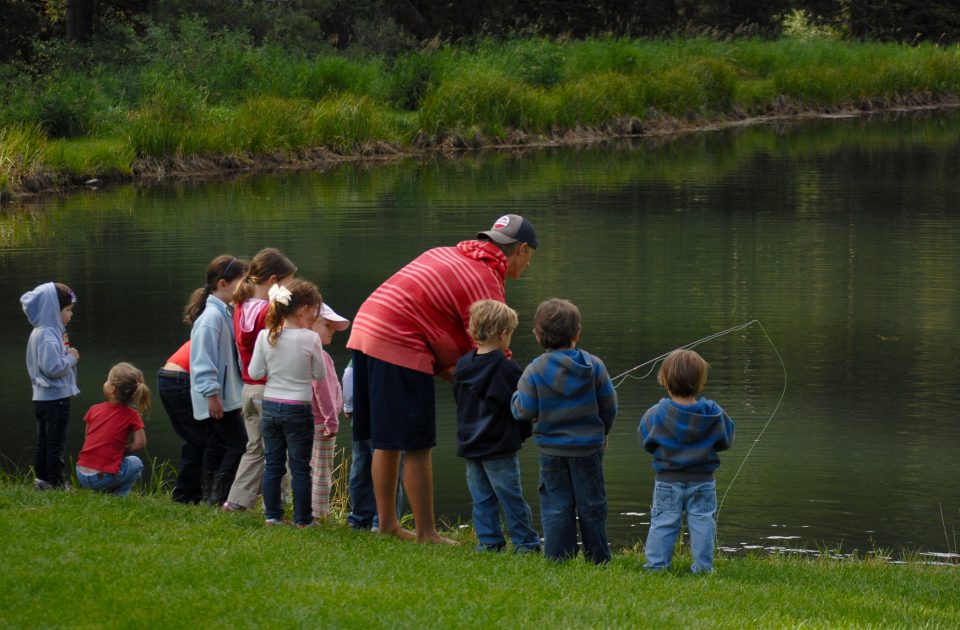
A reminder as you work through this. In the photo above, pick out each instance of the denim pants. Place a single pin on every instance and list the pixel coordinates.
(174, 390)
(572, 489)
(363, 503)
(120, 483)
(494, 483)
(670, 500)
(287, 433)
(52, 417)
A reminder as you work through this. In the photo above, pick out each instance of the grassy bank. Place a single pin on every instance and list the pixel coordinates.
(85, 560)
(237, 105)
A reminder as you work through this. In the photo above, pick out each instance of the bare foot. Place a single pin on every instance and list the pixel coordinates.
(435, 539)
(398, 532)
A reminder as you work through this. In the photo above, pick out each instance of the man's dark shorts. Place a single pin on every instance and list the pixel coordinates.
(393, 406)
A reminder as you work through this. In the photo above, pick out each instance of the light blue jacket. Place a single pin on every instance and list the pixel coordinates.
(53, 372)
(214, 370)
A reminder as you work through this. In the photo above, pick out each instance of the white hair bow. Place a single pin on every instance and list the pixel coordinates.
(281, 294)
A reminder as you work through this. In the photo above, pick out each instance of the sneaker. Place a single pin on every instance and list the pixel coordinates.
(273, 521)
(307, 525)
(229, 506)
(40, 484)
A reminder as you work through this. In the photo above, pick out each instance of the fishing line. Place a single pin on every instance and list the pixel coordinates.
(620, 378)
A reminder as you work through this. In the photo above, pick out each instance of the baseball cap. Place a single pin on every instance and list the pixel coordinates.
(339, 323)
(511, 228)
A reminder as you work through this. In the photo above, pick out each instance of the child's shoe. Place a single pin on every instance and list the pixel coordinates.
(40, 484)
(307, 525)
(229, 506)
(270, 522)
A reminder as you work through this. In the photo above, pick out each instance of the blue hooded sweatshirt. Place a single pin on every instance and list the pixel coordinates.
(53, 372)
(685, 439)
(569, 396)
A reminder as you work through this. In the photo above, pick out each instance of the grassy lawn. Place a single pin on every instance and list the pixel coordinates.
(84, 560)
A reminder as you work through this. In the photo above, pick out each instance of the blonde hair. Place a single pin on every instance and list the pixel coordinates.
(302, 293)
(129, 388)
(683, 373)
(488, 318)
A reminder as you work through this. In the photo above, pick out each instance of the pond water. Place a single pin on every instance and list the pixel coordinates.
(840, 237)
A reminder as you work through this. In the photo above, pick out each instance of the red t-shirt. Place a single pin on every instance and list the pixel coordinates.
(109, 426)
(182, 356)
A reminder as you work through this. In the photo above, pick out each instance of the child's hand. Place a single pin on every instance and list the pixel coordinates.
(73, 352)
(327, 435)
(606, 441)
(215, 406)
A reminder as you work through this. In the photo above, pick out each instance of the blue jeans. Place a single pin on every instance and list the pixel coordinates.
(363, 503)
(52, 417)
(495, 482)
(119, 484)
(572, 488)
(287, 433)
(670, 499)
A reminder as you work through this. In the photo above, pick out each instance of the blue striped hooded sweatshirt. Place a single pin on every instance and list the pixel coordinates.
(570, 398)
(685, 439)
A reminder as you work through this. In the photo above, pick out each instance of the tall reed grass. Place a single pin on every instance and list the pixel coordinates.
(239, 99)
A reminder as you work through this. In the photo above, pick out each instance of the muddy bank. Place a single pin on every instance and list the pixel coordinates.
(655, 125)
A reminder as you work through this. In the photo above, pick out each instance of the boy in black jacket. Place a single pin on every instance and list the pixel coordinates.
(488, 436)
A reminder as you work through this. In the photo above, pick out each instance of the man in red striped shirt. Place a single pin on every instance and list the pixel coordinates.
(414, 327)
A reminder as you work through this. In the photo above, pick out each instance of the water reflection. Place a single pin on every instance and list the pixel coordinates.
(841, 237)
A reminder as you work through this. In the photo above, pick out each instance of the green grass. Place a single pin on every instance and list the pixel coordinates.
(82, 559)
(241, 100)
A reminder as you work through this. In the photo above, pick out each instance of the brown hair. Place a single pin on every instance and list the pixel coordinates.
(556, 323)
(129, 386)
(223, 267)
(302, 293)
(683, 373)
(268, 262)
(488, 318)
(65, 295)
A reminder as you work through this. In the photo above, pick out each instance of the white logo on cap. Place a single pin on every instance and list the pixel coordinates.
(501, 223)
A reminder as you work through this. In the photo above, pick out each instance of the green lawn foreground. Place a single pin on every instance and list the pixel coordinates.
(84, 560)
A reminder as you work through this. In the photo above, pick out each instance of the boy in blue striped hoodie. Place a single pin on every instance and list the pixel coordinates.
(568, 394)
(684, 435)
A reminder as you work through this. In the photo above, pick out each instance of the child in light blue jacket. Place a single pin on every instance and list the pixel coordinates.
(215, 382)
(52, 366)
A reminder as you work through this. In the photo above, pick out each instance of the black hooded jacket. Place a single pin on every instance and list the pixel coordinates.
(482, 387)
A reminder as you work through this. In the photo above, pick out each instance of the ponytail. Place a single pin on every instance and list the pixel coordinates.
(285, 301)
(267, 263)
(129, 387)
(225, 267)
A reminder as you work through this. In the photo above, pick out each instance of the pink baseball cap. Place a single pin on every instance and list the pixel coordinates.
(339, 323)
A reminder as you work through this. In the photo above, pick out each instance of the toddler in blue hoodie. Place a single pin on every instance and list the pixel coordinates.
(488, 436)
(568, 394)
(52, 366)
(684, 435)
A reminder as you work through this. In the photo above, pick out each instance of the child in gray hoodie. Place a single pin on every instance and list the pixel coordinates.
(52, 366)
(684, 435)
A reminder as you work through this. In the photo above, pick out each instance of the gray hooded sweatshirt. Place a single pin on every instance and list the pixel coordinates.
(53, 372)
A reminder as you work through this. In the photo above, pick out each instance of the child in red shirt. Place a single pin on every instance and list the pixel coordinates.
(105, 463)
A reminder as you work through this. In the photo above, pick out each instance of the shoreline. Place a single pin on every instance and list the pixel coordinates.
(41, 185)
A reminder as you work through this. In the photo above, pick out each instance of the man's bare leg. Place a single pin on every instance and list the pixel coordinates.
(418, 482)
(385, 473)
